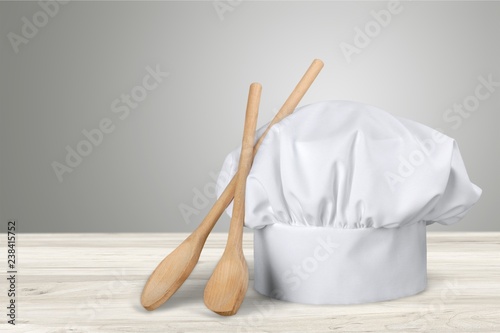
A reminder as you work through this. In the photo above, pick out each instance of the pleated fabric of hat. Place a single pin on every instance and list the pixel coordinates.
(339, 197)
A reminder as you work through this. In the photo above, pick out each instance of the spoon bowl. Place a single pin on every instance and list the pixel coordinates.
(170, 274)
(228, 285)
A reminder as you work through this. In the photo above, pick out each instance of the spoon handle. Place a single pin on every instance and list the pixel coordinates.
(288, 107)
(246, 159)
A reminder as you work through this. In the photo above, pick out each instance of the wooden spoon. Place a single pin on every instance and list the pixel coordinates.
(228, 284)
(174, 269)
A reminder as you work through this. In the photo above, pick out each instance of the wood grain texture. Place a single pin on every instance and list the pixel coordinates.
(92, 283)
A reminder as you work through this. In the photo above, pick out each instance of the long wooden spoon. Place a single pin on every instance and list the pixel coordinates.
(174, 269)
(228, 284)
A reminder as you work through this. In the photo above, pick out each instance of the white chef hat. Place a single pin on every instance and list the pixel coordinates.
(339, 196)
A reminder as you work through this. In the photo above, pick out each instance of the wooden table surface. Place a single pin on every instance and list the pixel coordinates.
(92, 283)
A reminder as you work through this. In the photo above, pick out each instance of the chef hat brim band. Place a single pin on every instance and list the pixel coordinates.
(321, 265)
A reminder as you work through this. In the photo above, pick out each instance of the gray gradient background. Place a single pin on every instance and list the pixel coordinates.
(65, 78)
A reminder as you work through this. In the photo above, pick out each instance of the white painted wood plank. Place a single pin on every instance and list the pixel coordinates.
(92, 283)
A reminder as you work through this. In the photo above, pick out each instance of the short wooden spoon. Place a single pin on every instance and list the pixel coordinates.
(228, 284)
